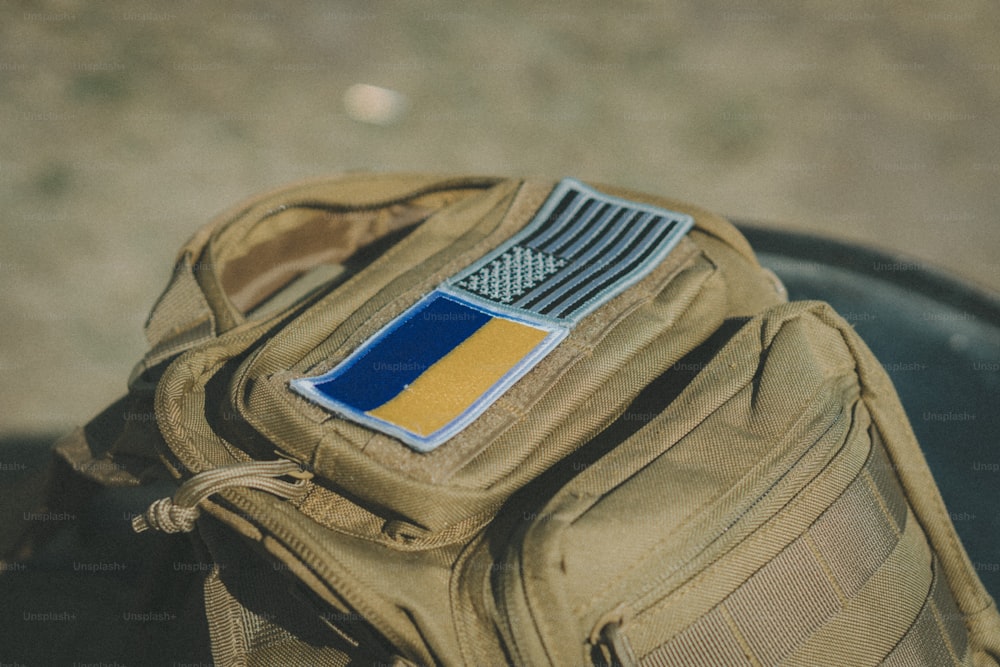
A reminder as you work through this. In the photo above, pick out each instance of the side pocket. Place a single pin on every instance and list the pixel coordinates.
(973, 602)
(748, 525)
(775, 412)
(863, 563)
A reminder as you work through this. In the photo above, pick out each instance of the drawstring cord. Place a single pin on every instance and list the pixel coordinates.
(178, 514)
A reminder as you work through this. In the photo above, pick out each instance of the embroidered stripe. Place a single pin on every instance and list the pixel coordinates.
(594, 264)
(637, 255)
(403, 352)
(593, 240)
(602, 216)
(455, 382)
(571, 198)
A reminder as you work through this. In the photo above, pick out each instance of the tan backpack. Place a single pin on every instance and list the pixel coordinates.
(475, 421)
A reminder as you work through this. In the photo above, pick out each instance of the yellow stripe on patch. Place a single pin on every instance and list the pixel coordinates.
(455, 381)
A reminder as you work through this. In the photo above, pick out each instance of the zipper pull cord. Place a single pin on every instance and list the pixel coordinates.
(178, 514)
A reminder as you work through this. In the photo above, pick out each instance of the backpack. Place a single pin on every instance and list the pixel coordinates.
(421, 419)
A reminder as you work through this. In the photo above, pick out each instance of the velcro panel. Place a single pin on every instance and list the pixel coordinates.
(709, 642)
(784, 611)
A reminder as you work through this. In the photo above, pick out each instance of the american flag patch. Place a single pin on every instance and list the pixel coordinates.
(440, 364)
(581, 249)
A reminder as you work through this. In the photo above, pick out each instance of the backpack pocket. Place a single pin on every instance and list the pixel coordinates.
(755, 520)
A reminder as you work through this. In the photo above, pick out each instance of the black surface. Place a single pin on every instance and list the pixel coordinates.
(93, 592)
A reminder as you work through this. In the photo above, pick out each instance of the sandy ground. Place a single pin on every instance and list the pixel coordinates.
(127, 125)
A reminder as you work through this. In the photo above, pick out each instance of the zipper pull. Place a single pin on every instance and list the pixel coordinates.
(610, 643)
(619, 649)
(179, 513)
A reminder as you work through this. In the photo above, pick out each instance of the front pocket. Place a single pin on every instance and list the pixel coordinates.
(541, 419)
(771, 413)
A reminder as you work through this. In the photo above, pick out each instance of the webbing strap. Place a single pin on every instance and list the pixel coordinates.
(806, 592)
(254, 617)
(938, 636)
(181, 318)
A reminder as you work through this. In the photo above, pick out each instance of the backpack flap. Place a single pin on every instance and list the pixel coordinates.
(572, 377)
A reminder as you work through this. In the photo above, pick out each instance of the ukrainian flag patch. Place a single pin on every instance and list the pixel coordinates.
(440, 364)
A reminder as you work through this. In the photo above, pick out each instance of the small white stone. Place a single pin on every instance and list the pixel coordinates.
(373, 104)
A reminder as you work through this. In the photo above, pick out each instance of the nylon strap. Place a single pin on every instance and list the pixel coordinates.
(181, 318)
(796, 605)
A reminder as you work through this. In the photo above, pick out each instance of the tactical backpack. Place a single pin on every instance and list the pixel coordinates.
(476, 421)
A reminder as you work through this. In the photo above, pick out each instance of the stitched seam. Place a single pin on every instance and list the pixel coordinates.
(881, 501)
(734, 628)
(939, 622)
(825, 566)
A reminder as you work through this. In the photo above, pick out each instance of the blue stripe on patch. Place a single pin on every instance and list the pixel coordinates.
(402, 352)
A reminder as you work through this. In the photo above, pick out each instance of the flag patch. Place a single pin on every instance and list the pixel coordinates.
(581, 249)
(432, 370)
(440, 364)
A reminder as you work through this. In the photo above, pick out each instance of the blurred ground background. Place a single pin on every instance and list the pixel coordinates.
(126, 125)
